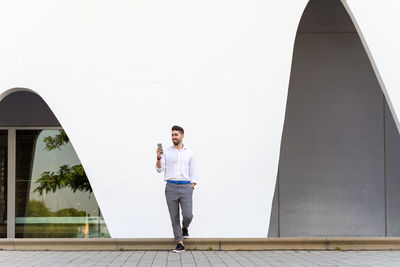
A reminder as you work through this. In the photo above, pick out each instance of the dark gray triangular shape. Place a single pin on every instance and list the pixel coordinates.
(333, 171)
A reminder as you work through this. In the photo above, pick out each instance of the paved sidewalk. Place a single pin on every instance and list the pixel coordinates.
(200, 258)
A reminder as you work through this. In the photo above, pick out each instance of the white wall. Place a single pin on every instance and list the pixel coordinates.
(378, 25)
(119, 74)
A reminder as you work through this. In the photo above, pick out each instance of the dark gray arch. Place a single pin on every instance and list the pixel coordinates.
(338, 168)
(23, 108)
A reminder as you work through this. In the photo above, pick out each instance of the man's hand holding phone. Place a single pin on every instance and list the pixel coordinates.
(159, 151)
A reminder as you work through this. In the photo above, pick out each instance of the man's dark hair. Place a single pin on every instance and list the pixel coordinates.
(178, 128)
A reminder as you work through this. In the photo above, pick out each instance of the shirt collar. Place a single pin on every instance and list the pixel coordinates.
(184, 147)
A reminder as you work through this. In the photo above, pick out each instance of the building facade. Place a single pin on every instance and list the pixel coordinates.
(290, 107)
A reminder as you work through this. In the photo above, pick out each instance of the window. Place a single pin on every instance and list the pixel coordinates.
(54, 198)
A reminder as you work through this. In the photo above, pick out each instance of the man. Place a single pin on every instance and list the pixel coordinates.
(180, 174)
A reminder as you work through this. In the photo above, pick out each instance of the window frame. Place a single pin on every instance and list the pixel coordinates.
(11, 173)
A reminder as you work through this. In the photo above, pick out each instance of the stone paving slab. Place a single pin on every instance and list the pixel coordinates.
(200, 258)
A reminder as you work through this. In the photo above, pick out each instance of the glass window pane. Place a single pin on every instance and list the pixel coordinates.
(53, 195)
(3, 183)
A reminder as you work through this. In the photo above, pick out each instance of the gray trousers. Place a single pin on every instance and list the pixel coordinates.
(179, 194)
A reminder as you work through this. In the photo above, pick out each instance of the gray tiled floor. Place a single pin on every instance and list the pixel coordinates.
(200, 258)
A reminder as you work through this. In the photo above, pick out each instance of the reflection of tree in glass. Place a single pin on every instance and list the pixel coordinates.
(73, 177)
(53, 142)
(52, 228)
(37, 208)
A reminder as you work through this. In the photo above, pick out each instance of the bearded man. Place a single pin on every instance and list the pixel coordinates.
(179, 166)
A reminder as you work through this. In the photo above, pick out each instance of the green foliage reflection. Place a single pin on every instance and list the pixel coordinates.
(66, 177)
(48, 227)
(37, 208)
(57, 141)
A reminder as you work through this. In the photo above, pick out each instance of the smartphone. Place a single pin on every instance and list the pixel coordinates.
(159, 145)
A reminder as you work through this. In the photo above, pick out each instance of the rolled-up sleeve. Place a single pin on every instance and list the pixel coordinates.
(162, 164)
(193, 170)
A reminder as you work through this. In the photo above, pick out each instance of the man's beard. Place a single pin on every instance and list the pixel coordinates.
(177, 142)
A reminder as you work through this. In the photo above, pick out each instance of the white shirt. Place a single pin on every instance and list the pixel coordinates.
(178, 164)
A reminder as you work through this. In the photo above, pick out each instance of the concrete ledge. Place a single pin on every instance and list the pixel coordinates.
(115, 244)
(167, 244)
(295, 243)
(141, 243)
(64, 244)
(7, 244)
(363, 243)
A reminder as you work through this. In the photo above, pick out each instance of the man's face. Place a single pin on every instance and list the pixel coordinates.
(177, 137)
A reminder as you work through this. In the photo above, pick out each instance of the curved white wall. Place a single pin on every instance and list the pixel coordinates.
(378, 24)
(119, 74)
